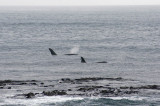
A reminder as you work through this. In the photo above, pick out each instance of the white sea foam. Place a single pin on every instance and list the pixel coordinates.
(133, 98)
(39, 101)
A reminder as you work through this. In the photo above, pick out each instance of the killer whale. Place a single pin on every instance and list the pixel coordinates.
(102, 62)
(52, 52)
(70, 54)
(83, 60)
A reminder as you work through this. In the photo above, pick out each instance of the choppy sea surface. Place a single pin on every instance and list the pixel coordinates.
(127, 37)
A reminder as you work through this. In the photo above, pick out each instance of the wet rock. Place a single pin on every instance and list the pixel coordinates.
(3, 83)
(42, 83)
(124, 87)
(69, 89)
(9, 87)
(54, 93)
(46, 86)
(79, 87)
(116, 79)
(130, 92)
(13, 82)
(66, 80)
(1, 87)
(150, 87)
(89, 88)
(97, 78)
(81, 80)
(156, 87)
(29, 95)
(23, 83)
(107, 91)
(85, 89)
(33, 83)
(88, 79)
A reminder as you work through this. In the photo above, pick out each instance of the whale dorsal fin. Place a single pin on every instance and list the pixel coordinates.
(83, 60)
(52, 52)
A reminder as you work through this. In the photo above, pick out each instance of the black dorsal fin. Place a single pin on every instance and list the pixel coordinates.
(83, 60)
(52, 52)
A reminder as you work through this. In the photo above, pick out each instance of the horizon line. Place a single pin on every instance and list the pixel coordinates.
(75, 5)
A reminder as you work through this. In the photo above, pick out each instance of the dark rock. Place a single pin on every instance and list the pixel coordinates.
(143, 87)
(23, 83)
(104, 92)
(3, 83)
(131, 87)
(89, 88)
(85, 89)
(97, 78)
(116, 79)
(69, 89)
(42, 83)
(9, 87)
(124, 87)
(33, 83)
(66, 80)
(45, 86)
(107, 91)
(88, 79)
(54, 93)
(29, 95)
(150, 87)
(6, 81)
(13, 82)
(130, 92)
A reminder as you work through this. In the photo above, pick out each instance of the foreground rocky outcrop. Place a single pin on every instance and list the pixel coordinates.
(95, 86)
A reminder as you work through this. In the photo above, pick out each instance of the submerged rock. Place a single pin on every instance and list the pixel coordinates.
(150, 87)
(9, 87)
(156, 87)
(130, 92)
(66, 80)
(1, 87)
(54, 93)
(29, 95)
(97, 78)
(89, 88)
(81, 80)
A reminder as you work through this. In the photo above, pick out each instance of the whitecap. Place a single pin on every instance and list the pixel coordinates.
(39, 100)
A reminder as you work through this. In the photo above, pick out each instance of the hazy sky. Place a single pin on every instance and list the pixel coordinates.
(79, 2)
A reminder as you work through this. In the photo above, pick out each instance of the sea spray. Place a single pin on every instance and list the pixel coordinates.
(74, 50)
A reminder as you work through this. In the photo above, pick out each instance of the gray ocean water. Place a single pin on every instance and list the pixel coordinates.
(127, 37)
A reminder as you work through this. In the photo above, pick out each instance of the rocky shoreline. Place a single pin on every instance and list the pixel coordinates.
(76, 87)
